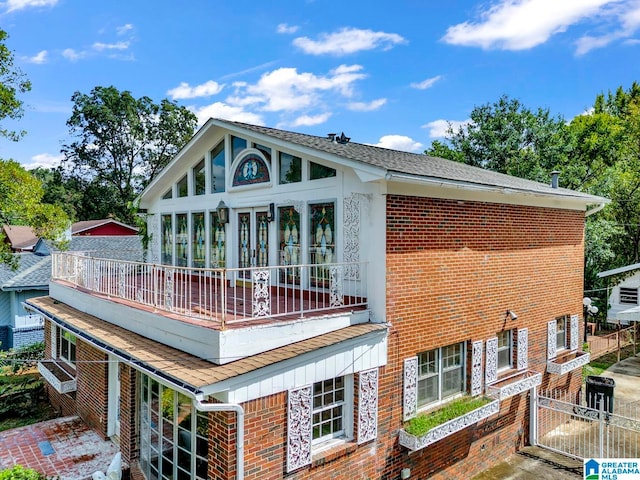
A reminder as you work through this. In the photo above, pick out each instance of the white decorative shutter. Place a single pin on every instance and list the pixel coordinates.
(574, 339)
(491, 368)
(368, 405)
(410, 394)
(476, 368)
(299, 417)
(552, 340)
(523, 348)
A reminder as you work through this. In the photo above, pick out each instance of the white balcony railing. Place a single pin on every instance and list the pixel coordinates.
(225, 296)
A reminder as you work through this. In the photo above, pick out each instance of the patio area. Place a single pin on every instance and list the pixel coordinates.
(65, 448)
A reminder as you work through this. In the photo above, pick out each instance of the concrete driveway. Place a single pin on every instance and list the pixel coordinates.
(534, 463)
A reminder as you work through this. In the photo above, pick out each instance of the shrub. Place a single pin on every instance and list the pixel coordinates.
(18, 472)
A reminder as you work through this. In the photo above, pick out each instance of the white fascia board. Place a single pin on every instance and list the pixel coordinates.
(458, 190)
(308, 359)
(158, 181)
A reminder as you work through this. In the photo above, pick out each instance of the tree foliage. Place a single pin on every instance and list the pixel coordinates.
(597, 152)
(21, 203)
(120, 144)
(12, 83)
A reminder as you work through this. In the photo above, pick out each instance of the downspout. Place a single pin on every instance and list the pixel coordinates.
(229, 407)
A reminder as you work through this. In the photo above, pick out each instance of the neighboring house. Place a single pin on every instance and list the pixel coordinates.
(623, 305)
(20, 238)
(305, 296)
(106, 226)
(20, 327)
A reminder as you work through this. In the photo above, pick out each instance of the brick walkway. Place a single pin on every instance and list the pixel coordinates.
(63, 447)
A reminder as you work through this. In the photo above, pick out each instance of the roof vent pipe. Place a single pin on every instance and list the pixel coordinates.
(554, 178)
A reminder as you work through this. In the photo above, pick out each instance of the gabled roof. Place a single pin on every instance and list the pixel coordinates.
(120, 247)
(615, 271)
(33, 273)
(20, 237)
(413, 164)
(80, 227)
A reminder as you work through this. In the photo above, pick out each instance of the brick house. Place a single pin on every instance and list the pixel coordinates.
(304, 297)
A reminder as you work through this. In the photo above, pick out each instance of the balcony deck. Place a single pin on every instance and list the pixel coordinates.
(219, 298)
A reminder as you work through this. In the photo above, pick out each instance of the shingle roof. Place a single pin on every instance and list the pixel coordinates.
(179, 367)
(394, 161)
(34, 272)
(118, 247)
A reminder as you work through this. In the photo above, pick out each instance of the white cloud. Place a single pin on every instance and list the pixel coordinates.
(184, 90)
(438, 128)
(100, 46)
(285, 28)
(428, 83)
(367, 106)
(73, 55)
(348, 40)
(523, 24)
(124, 29)
(627, 20)
(399, 142)
(13, 5)
(285, 89)
(227, 112)
(39, 58)
(43, 160)
(310, 120)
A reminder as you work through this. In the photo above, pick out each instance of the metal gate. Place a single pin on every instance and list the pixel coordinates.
(565, 424)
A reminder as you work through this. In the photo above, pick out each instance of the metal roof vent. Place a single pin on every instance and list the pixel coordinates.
(555, 179)
(331, 137)
(342, 139)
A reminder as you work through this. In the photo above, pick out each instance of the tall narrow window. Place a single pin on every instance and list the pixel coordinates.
(217, 255)
(198, 239)
(68, 347)
(289, 233)
(328, 409)
(561, 332)
(218, 170)
(290, 168)
(323, 233)
(167, 240)
(182, 187)
(505, 349)
(237, 145)
(199, 176)
(182, 240)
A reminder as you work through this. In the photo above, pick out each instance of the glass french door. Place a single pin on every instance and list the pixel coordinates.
(253, 239)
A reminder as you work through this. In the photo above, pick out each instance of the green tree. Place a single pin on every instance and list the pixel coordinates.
(21, 204)
(12, 83)
(121, 143)
(507, 137)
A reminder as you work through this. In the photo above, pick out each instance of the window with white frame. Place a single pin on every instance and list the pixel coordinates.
(505, 350)
(330, 412)
(67, 347)
(561, 332)
(441, 373)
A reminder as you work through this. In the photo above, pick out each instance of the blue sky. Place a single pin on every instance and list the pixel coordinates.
(384, 73)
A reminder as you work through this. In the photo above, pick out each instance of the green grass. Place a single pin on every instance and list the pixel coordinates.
(422, 423)
(600, 364)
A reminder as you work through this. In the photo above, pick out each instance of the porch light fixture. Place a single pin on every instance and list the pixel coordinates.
(271, 214)
(223, 212)
(511, 314)
(589, 309)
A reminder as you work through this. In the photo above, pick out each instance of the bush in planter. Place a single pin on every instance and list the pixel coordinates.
(423, 422)
(18, 472)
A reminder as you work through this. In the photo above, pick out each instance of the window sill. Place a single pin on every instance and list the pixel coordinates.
(324, 454)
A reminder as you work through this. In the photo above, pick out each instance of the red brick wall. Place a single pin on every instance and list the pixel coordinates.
(128, 414)
(65, 404)
(93, 387)
(453, 269)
